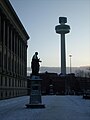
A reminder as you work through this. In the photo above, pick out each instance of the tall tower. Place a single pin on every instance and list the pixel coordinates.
(63, 29)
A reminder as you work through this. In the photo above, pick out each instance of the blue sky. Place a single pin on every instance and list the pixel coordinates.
(39, 17)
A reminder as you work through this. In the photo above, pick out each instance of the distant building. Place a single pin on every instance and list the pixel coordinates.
(52, 83)
(13, 53)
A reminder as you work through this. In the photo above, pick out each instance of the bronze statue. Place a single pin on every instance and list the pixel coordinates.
(35, 64)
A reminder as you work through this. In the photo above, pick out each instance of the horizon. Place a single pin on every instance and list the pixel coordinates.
(58, 69)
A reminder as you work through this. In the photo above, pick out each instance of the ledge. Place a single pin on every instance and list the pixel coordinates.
(35, 106)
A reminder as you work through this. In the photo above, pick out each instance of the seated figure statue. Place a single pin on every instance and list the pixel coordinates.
(35, 64)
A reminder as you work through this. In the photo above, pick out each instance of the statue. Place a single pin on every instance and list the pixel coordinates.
(35, 100)
(35, 64)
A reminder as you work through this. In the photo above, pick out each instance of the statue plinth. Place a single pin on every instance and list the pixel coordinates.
(35, 94)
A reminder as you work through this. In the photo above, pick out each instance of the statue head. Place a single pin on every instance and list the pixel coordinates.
(36, 53)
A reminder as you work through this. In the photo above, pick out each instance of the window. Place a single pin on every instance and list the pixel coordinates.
(5, 61)
(1, 94)
(15, 83)
(0, 59)
(6, 94)
(12, 82)
(13, 64)
(0, 30)
(9, 63)
(5, 81)
(9, 82)
(1, 82)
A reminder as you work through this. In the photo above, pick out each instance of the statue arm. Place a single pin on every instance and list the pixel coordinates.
(39, 60)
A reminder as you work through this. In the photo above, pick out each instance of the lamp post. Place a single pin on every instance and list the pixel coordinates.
(70, 63)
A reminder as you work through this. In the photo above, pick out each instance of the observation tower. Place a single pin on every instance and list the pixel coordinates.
(63, 29)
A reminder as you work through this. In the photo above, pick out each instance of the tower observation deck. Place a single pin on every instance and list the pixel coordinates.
(63, 29)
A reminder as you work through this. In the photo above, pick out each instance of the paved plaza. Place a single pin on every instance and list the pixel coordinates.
(57, 108)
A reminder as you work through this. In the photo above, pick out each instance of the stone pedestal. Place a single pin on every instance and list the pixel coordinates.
(35, 94)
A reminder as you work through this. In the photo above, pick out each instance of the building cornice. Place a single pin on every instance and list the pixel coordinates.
(14, 19)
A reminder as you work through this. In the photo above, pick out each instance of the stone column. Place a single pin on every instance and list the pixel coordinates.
(0, 46)
(19, 56)
(0, 29)
(25, 60)
(11, 50)
(22, 56)
(3, 42)
(16, 57)
(7, 44)
(17, 53)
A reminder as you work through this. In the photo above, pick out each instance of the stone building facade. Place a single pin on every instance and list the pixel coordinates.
(13, 53)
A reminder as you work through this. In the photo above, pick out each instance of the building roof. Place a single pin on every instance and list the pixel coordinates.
(12, 11)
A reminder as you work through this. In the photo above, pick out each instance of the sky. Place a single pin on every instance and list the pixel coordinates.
(39, 17)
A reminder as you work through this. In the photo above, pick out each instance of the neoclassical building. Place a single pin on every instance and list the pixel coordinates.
(13, 53)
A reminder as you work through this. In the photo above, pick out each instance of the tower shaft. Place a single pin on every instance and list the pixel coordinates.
(63, 54)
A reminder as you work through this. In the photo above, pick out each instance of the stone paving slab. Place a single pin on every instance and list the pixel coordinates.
(57, 108)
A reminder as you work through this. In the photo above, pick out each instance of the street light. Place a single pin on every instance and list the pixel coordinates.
(70, 63)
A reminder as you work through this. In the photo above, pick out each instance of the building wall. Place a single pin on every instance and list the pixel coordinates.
(13, 55)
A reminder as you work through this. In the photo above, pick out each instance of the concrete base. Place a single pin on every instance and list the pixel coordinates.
(35, 105)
